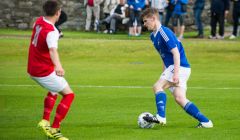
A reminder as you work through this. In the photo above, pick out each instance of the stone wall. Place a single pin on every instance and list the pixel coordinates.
(21, 13)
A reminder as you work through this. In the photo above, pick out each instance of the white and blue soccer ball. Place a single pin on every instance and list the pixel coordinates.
(144, 124)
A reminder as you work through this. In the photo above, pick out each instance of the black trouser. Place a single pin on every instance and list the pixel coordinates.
(135, 15)
(217, 18)
(168, 17)
(236, 16)
(61, 20)
(107, 24)
(197, 15)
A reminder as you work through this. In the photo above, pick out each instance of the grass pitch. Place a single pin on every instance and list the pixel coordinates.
(112, 78)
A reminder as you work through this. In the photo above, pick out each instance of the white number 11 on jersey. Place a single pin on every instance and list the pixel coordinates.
(35, 39)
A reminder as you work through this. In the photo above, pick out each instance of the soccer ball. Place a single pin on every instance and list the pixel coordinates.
(142, 123)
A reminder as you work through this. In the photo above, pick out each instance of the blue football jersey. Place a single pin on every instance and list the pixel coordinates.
(164, 40)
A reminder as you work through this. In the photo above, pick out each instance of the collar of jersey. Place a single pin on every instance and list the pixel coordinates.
(47, 20)
(155, 33)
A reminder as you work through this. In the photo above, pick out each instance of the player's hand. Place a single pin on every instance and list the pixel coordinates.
(59, 71)
(175, 78)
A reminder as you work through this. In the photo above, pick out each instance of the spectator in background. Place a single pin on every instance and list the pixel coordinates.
(179, 13)
(197, 10)
(107, 8)
(236, 16)
(219, 10)
(116, 16)
(160, 5)
(62, 19)
(169, 10)
(135, 8)
(92, 7)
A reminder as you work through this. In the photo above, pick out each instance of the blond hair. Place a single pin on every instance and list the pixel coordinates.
(150, 12)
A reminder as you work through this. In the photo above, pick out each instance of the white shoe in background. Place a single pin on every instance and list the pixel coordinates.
(232, 37)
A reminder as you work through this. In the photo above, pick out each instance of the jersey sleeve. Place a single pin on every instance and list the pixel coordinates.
(52, 39)
(169, 39)
(171, 42)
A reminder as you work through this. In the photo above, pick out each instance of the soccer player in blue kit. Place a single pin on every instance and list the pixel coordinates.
(176, 71)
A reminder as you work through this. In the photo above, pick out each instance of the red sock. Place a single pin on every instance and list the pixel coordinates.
(62, 109)
(48, 105)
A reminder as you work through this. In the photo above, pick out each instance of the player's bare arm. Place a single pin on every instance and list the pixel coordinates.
(176, 59)
(56, 61)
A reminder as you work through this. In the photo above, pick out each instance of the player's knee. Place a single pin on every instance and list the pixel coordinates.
(180, 100)
(72, 96)
(157, 88)
(66, 90)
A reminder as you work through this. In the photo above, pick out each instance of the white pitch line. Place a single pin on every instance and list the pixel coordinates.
(123, 87)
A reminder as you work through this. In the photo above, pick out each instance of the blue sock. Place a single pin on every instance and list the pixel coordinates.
(192, 110)
(161, 100)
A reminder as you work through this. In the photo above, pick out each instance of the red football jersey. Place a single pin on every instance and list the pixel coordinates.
(39, 61)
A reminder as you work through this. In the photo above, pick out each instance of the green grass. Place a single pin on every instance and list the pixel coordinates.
(110, 113)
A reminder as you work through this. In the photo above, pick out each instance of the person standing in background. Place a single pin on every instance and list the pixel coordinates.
(197, 11)
(235, 16)
(135, 9)
(179, 13)
(219, 10)
(160, 5)
(92, 7)
(169, 10)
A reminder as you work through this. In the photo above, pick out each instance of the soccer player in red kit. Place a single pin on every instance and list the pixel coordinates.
(45, 68)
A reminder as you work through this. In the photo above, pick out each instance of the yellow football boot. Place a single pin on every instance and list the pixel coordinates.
(56, 134)
(44, 125)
